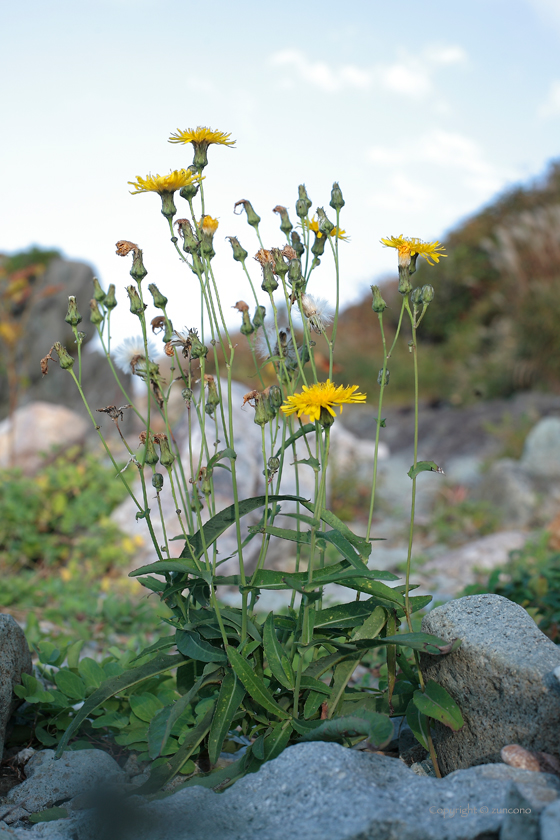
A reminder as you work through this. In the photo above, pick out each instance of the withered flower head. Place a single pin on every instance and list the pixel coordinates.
(241, 306)
(124, 247)
(289, 252)
(157, 324)
(263, 257)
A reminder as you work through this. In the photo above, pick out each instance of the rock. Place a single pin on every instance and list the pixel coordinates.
(15, 660)
(507, 487)
(36, 428)
(53, 782)
(521, 821)
(539, 762)
(550, 821)
(501, 677)
(541, 454)
(449, 572)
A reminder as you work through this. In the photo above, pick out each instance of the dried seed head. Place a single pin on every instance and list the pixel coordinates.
(124, 247)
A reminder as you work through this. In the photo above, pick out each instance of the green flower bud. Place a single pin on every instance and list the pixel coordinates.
(208, 228)
(275, 397)
(405, 286)
(318, 247)
(427, 294)
(380, 377)
(246, 327)
(285, 224)
(252, 218)
(166, 456)
(187, 395)
(325, 418)
(280, 265)
(273, 464)
(150, 454)
(259, 316)
(167, 204)
(138, 272)
(136, 305)
(98, 293)
(198, 349)
(189, 191)
(160, 301)
(416, 296)
(206, 480)
(295, 276)
(213, 398)
(336, 202)
(157, 481)
(95, 315)
(239, 253)
(65, 359)
(325, 225)
(191, 244)
(378, 304)
(110, 301)
(269, 283)
(73, 317)
(297, 244)
(263, 409)
(303, 203)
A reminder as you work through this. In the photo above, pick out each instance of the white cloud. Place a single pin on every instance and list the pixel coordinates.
(408, 76)
(551, 105)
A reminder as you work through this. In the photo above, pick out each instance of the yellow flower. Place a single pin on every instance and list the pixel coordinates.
(313, 226)
(164, 183)
(409, 246)
(208, 225)
(323, 395)
(202, 135)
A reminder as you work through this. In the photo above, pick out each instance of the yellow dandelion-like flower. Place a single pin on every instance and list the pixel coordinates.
(208, 225)
(313, 226)
(165, 183)
(323, 395)
(409, 246)
(202, 135)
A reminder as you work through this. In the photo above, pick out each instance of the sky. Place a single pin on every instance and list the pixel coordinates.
(422, 111)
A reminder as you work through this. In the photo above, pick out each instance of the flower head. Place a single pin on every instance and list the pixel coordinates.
(130, 356)
(202, 135)
(165, 183)
(208, 225)
(316, 311)
(323, 396)
(313, 226)
(409, 246)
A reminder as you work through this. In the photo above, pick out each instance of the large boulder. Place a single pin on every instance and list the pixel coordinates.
(541, 454)
(502, 678)
(15, 660)
(35, 429)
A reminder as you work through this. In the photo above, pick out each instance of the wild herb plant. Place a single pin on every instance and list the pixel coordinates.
(267, 680)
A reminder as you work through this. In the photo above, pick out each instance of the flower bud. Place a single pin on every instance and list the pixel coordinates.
(336, 202)
(239, 253)
(427, 294)
(380, 380)
(95, 315)
(280, 266)
(191, 243)
(136, 305)
(297, 244)
(157, 481)
(166, 456)
(65, 359)
(263, 409)
(213, 398)
(189, 191)
(259, 316)
(325, 225)
(416, 296)
(168, 208)
(160, 301)
(273, 464)
(303, 203)
(252, 218)
(138, 272)
(318, 247)
(325, 418)
(187, 395)
(98, 293)
(378, 304)
(246, 327)
(275, 396)
(150, 454)
(295, 275)
(73, 317)
(405, 286)
(285, 224)
(197, 349)
(110, 301)
(269, 283)
(208, 228)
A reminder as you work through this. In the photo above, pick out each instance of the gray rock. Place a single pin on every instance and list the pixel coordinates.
(36, 428)
(521, 822)
(507, 487)
(550, 821)
(52, 782)
(15, 660)
(541, 454)
(501, 677)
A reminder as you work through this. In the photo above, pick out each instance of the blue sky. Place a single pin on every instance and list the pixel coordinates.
(423, 111)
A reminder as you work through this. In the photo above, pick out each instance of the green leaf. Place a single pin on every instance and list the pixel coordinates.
(161, 644)
(418, 723)
(372, 626)
(424, 466)
(145, 705)
(116, 684)
(70, 684)
(276, 657)
(424, 642)
(278, 739)
(309, 427)
(312, 704)
(49, 654)
(435, 702)
(315, 685)
(346, 549)
(344, 615)
(342, 674)
(383, 595)
(314, 463)
(320, 666)
(231, 694)
(48, 815)
(254, 685)
(190, 644)
(360, 543)
(417, 602)
(116, 719)
(377, 728)
(91, 672)
(32, 690)
(223, 453)
(73, 654)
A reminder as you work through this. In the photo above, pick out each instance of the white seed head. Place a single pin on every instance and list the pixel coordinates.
(316, 310)
(131, 348)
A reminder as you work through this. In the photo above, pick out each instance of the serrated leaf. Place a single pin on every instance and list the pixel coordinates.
(418, 723)
(254, 685)
(424, 466)
(437, 703)
(70, 684)
(190, 644)
(276, 657)
(230, 697)
(114, 685)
